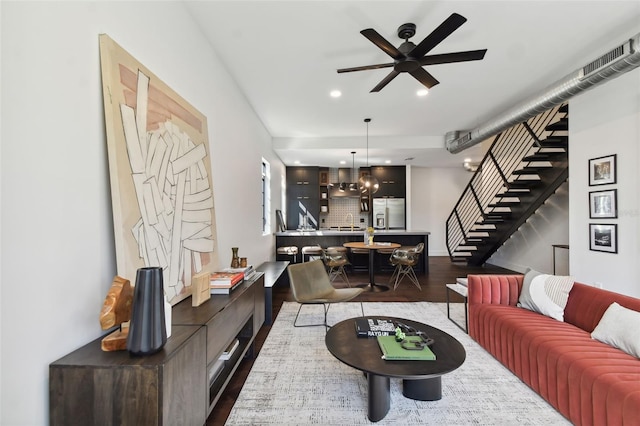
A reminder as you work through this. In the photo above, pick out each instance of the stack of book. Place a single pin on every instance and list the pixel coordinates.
(223, 282)
(248, 271)
(392, 350)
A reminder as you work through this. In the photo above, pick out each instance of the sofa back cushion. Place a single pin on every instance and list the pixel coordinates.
(587, 304)
(495, 289)
(545, 294)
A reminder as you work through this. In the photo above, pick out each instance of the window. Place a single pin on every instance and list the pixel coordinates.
(266, 197)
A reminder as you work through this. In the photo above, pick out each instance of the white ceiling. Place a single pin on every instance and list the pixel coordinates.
(284, 55)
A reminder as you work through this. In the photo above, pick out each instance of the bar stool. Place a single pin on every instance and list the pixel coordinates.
(288, 251)
(360, 253)
(339, 249)
(383, 256)
(336, 260)
(311, 251)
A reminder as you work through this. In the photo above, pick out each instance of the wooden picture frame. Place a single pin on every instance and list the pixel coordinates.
(603, 237)
(160, 172)
(602, 170)
(324, 177)
(603, 204)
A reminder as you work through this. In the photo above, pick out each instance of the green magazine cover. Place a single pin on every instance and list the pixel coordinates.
(393, 350)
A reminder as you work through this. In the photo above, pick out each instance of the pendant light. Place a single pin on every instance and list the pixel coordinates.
(367, 183)
(353, 186)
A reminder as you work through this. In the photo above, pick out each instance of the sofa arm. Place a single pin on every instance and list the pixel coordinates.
(494, 289)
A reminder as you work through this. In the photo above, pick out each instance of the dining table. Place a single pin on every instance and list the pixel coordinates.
(372, 254)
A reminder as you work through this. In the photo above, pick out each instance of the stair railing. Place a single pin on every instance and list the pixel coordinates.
(494, 172)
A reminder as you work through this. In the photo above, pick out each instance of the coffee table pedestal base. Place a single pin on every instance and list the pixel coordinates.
(379, 397)
(424, 389)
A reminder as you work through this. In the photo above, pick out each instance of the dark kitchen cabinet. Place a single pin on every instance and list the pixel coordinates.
(303, 197)
(392, 181)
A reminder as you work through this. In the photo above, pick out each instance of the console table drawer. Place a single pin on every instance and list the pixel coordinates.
(226, 325)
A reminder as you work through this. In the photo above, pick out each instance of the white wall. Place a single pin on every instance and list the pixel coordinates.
(57, 246)
(434, 193)
(530, 246)
(604, 121)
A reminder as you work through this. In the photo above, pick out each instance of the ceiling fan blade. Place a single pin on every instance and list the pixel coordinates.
(446, 58)
(382, 43)
(393, 74)
(424, 77)
(445, 29)
(366, 67)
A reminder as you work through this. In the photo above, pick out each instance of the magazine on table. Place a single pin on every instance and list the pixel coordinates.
(373, 327)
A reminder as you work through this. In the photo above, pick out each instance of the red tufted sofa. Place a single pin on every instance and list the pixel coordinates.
(587, 381)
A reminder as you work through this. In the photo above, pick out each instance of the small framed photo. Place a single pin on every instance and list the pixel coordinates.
(603, 237)
(603, 204)
(602, 170)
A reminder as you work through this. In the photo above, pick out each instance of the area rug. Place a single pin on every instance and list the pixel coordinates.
(296, 381)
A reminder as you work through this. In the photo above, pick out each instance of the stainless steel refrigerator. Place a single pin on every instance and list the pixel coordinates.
(388, 213)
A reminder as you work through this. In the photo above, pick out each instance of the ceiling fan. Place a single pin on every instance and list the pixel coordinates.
(411, 58)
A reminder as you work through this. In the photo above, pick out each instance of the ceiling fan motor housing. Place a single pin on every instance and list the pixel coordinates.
(408, 63)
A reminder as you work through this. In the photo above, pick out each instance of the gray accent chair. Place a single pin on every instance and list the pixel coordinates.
(310, 284)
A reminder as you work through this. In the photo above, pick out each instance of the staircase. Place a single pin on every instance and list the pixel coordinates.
(524, 166)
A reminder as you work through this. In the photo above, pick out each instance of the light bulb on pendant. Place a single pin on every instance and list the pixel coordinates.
(367, 183)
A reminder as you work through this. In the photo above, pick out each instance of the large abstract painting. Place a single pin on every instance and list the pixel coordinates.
(161, 188)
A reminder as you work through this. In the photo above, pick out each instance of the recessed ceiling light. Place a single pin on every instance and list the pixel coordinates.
(335, 93)
(296, 162)
(387, 161)
(422, 92)
(343, 162)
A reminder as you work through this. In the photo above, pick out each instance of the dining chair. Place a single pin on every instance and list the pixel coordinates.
(310, 284)
(404, 260)
(335, 261)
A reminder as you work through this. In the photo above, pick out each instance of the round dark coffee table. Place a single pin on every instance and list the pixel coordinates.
(421, 379)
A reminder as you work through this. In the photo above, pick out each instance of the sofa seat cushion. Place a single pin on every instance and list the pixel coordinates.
(561, 362)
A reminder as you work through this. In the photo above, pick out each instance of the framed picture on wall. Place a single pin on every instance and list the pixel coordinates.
(602, 170)
(603, 204)
(603, 237)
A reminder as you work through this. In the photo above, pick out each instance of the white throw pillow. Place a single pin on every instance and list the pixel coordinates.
(545, 294)
(619, 327)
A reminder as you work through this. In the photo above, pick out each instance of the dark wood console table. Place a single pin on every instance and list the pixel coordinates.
(173, 386)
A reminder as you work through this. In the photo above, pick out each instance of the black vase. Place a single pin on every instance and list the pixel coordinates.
(147, 331)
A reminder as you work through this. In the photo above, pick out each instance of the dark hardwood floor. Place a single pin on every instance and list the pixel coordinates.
(441, 272)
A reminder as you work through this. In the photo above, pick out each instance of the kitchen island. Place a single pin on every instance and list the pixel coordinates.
(332, 237)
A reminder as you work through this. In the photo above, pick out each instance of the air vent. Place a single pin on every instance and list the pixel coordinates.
(465, 138)
(605, 59)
